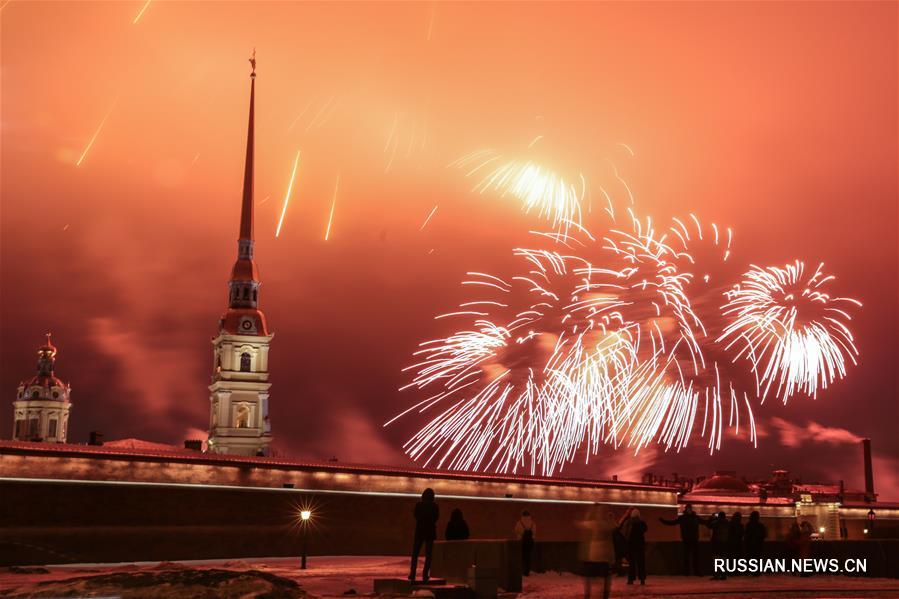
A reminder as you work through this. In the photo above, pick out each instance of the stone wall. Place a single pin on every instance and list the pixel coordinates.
(69, 522)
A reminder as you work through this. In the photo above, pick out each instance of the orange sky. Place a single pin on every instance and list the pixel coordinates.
(778, 119)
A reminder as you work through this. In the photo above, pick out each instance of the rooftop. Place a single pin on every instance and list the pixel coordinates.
(136, 449)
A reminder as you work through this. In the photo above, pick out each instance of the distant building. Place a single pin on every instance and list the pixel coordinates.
(42, 404)
(834, 511)
(238, 401)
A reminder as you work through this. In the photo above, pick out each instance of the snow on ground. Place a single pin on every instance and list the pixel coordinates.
(335, 576)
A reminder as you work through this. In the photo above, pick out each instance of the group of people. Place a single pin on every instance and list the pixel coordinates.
(729, 538)
(609, 541)
(427, 513)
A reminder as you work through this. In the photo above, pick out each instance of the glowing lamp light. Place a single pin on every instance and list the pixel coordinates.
(305, 515)
(865, 531)
(821, 530)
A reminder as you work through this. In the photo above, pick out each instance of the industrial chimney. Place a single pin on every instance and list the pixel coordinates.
(869, 471)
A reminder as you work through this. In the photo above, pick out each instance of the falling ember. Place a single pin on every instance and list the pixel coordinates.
(141, 13)
(293, 173)
(333, 203)
(65, 228)
(94, 136)
(427, 220)
(265, 199)
(196, 157)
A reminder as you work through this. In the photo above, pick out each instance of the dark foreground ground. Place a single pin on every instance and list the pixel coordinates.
(348, 576)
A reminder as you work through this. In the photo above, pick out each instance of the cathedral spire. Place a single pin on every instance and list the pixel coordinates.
(244, 284)
(238, 399)
(246, 211)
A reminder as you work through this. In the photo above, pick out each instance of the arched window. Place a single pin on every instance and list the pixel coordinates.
(245, 362)
(254, 295)
(246, 293)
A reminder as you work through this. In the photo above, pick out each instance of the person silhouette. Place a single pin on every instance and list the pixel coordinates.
(426, 514)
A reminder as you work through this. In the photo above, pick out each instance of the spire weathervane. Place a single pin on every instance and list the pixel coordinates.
(253, 63)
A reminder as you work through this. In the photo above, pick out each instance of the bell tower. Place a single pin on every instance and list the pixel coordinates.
(239, 393)
(42, 404)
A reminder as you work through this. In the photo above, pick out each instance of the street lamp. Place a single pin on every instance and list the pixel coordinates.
(305, 515)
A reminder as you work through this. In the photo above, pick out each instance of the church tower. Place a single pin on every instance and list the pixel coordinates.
(238, 419)
(41, 409)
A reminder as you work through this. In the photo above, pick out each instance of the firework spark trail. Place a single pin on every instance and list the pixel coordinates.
(793, 333)
(333, 204)
(431, 20)
(141, 13)
(293, 173)
(428, 219)
(321, 121)
(538, 188)
(393, 138)
(622, 181)
(318, 115)
(96, 133)
(299, 116)
(628, 148)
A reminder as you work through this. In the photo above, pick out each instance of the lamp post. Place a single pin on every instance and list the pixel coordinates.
(305, 515)
(871, 517)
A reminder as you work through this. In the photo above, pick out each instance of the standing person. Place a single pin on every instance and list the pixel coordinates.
(719, 526)
(456, 528)
(805, 542)
(689, 536)
(619, 541)
(597, 551)
(754, 537)
(636, 547)
(735, 536)
(426, 515)
(526, 531)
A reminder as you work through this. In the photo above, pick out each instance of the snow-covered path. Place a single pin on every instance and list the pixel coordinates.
(335, 576)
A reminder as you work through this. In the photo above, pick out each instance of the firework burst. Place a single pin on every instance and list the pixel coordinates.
(540, 189)
(794, 334)
(566, 358)
(616, 340)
